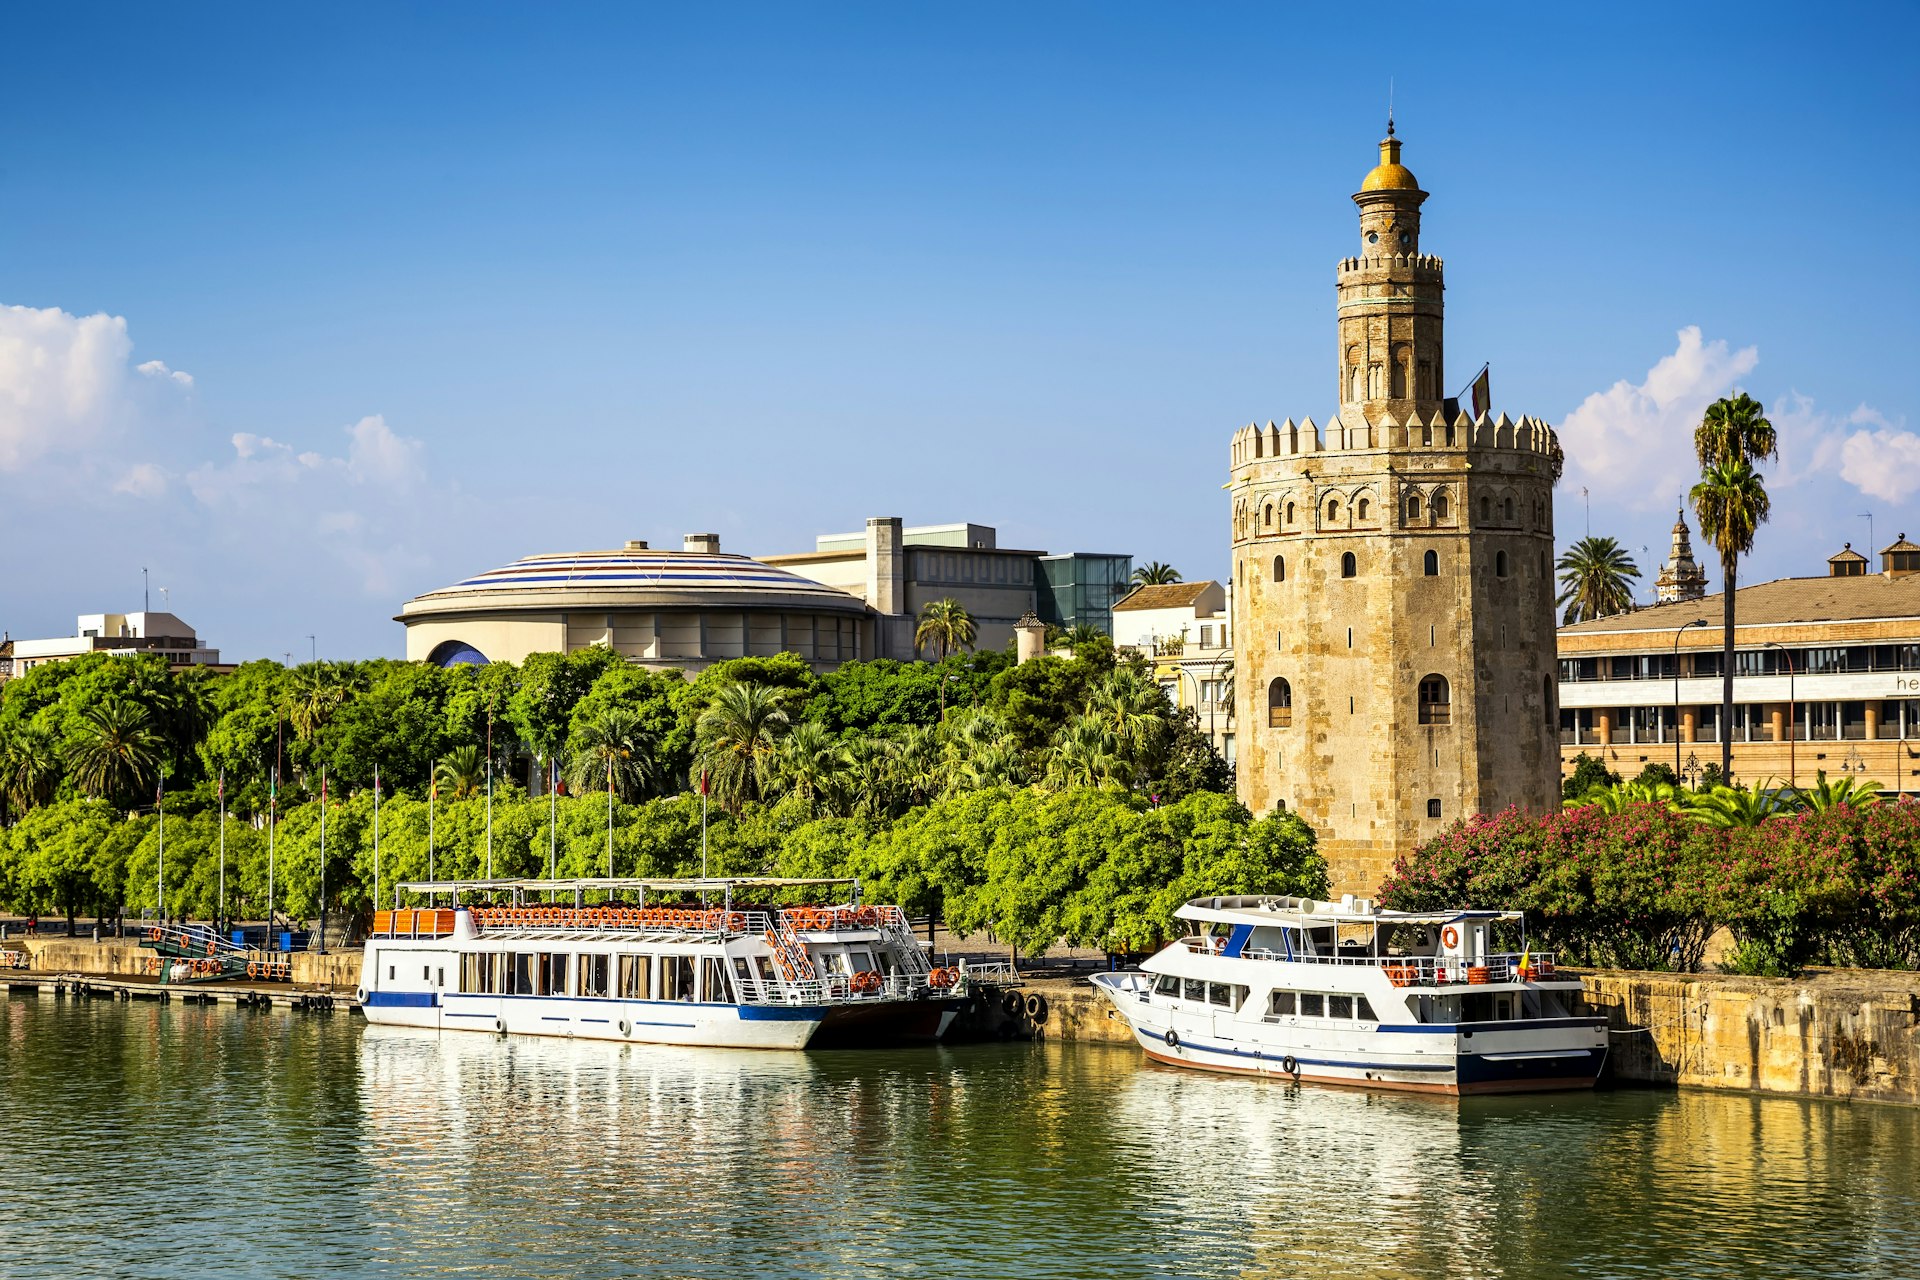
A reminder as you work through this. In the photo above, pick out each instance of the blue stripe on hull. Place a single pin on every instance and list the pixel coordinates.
(401, 999)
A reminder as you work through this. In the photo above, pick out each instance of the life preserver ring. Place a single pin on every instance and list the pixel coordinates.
(1449, 937)
(1172, 1038)
(153, 935)
(866, 917)
(209, 946)
(253, 968)
(1288, 1065)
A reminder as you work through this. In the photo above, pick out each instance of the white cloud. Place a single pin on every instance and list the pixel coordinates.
(1634, 441)
(67, 387)
(142, 480)
(378, 456)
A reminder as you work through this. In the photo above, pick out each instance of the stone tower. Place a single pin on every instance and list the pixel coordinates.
(1393, 587)
(1681, 577)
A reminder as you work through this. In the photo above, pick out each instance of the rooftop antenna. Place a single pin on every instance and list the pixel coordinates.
(146, 594)
(1868, 517)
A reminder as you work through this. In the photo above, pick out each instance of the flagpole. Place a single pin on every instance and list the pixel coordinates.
(609, 817)
(273, 812)
(489, 795)
(553, 812)
(433, 794)
(160, 873)
(703, 824)
(376, 838)
(221, 911)
(323, 860)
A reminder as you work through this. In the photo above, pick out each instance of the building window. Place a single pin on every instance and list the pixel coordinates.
(1361, 513)
(1333, 510)
(1279, 704)
(1499, 564)
(1279, 568)
(1289, 513)
(1435, 700)
(1509, 511)
(1486, 511)
(1433, 807)
(1413, 507)
(1266, 516)
(1431, 564)
(1349, 566)
(1440, 504)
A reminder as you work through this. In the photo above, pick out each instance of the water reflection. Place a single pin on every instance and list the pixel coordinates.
(171, 1141)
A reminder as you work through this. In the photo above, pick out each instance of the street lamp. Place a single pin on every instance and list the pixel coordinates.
(1678, 632)
(1793, 731)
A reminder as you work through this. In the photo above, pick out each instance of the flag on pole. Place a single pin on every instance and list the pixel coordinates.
(220, 788)
(703, 782)
(1482, 392)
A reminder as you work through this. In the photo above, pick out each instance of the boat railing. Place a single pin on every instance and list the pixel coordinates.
(1414, 971)
(889, 921)
(833, 988)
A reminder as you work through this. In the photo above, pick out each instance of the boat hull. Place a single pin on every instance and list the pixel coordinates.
(1521, 1057)
(725, 1026)
(884, 1022)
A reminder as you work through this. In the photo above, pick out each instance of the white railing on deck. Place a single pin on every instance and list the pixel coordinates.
(1412, 971)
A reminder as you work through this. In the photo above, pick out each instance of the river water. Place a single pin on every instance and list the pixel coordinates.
(156, 1142)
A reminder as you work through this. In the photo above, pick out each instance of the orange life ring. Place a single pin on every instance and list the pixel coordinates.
(153, 935)
(736, 922)
(866, 917)
(209, 946)
(1449, 937)
(253, 968)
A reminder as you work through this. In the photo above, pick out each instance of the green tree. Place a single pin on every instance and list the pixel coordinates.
(1824, 795)
(1155, 573)
(1589, 772)
(29, 767)
(814, 767)
(611, 750)
(461, 773)
(1731, 501)
(1596, 580)
(115, 753)
(945, 627)
(736, 739)
(1086, 753)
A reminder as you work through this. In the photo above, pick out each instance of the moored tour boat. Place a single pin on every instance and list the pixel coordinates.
(722, 974)
(1346, 993)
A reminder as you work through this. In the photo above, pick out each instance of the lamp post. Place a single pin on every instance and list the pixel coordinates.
(1678, 632)
(1793, 731)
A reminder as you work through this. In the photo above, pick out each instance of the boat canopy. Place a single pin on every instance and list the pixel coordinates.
(616, 884)
(1310, 912)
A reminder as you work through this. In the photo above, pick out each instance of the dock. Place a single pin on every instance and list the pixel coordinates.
(79, 986)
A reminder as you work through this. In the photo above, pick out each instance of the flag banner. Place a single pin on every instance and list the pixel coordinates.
(1482, 393)
(703, 782)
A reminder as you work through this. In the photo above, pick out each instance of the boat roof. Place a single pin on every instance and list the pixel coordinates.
(1308, 912)
(611, 884)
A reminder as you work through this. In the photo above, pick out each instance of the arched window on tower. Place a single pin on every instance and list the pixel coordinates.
(1430, 564)
(1360, 513)
(1441, 506)
(1279, 568)
(1289, 513)
(1349, 565)
(1413, 507)
(1509, 511)
(1266, 517)
(1499, 564)
(1486, 511)
(1333, 510)
(1436, 700)
(1279, 704)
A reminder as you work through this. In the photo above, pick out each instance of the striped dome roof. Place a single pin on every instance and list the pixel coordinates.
(637, 578)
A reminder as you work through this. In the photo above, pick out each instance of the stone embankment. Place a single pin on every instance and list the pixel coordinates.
(1845, 1034)
(125, 958)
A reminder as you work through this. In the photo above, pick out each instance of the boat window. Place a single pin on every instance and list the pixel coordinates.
(862, 960)
(593, 976)
(1167, 985)
(426, 973)
(1340, 1006)
(441, 981)
(521, 969)
(553, 976)
(765, 965)
(1195, 990)
(1313, 1005)
(636, 978)
(713, 981)
(477, 973)
(1280, 1004)
(1364, 1011)
(676, 977)
(389, 973)
(1225, 994)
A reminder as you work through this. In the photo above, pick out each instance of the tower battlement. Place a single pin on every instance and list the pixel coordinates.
(1394, 262)
(1349, 431)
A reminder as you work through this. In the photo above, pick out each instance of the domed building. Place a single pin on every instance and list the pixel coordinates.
(667, 610)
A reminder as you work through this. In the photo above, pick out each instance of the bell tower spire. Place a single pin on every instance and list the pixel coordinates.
(1390, 299)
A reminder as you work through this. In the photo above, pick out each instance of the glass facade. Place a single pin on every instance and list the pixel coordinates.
(1082, 588)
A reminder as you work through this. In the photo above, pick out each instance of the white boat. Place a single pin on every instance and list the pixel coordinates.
(1346, 993)
(646, 961)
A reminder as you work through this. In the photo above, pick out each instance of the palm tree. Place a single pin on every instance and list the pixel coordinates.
(114, 754)
(1731, 501)
(29, 767)
(612, 749)
(1155, 573)
(1596, 580)
(314, 696)
(1734, 430)
(1622, 796)
(1083, 635)
(1084, 754)
(812, 764)
(1737, 806)
(1133, 711)
(1824, 795)
(736, 737)
(945, 627)
(872, 778)
(461, 773)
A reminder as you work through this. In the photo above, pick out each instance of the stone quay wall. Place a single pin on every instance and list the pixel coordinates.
(125, 958)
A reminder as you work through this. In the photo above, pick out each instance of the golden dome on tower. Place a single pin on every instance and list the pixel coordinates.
(1390, 174)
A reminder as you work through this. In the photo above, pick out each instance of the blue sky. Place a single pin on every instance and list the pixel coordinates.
(309, 309)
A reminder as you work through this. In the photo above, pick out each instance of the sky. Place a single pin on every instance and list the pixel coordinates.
(305, 310)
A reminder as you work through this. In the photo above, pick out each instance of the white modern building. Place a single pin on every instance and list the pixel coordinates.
(123, 633)
(1181, 629)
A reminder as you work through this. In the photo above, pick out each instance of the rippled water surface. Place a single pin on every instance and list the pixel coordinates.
(159, 1142)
